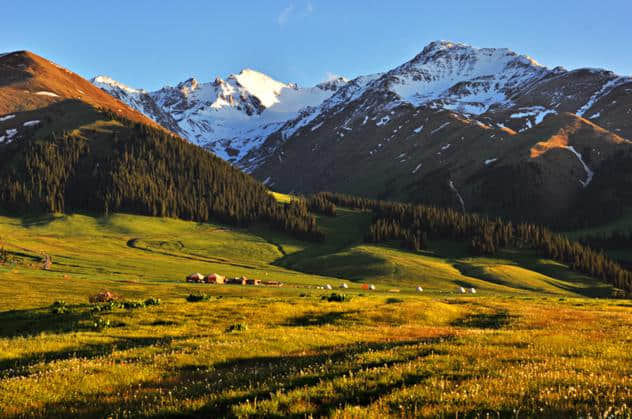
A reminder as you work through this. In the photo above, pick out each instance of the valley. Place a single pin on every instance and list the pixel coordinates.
(380, 353)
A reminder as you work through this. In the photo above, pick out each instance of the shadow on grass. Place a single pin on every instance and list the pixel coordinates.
(20, 367)
(308, 372)
(320, 319)
(495, 320)
(354, 266)
(261, 379)
(33, 322)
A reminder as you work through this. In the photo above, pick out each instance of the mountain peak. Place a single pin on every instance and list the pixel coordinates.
(102, 80)
(188, 85)
(442, 45)
(260, 85)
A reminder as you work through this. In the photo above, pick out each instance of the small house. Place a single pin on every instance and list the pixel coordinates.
(196, 277)
(214, 279)
(237, 281)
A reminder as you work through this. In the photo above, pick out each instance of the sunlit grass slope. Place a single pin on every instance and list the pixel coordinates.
(123, 250)
(524, 343)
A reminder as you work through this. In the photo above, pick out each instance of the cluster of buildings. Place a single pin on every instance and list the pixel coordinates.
(215, 278)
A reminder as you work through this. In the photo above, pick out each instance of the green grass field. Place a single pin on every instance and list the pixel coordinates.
(533, 340)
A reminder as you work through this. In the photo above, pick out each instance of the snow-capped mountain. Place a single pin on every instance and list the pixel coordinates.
(482, 129)
(478, 129)
(229, 117)
(139, 100)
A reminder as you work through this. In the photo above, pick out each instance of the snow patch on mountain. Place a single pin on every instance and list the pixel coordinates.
(463, 78)
(458, 195)
(538, 113)
(442, 126)
(605, 89)
(589, 173)
(44, 93)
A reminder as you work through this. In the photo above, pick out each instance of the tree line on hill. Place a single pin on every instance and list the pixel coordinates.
(413, 225)
(142, 170)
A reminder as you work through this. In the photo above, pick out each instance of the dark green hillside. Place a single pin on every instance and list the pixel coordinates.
(110, 164)
(412, 225)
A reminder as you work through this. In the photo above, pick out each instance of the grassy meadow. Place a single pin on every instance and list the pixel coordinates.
(535, 340)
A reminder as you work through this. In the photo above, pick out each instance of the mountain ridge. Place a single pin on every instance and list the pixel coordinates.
(449, 127)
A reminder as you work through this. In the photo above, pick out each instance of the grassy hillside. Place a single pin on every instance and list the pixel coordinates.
(121, 251)
(524, 342)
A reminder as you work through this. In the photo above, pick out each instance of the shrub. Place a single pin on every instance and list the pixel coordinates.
(335, 297)
(152, 301)
(194, 298)
(100, 324)
(104, 297)
(237, 327)
(130, 305)
(59, 307)
(109, 306)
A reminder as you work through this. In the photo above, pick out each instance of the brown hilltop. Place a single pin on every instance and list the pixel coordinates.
(29, 83)
(573, 130)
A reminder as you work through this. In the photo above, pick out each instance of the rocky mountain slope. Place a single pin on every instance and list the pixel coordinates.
(478, 129)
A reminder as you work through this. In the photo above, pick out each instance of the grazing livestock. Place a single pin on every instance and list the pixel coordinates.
(473, 290)
(462, 290)
(372, 287)
(419, 289)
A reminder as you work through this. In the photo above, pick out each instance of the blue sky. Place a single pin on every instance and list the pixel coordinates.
(152, 43)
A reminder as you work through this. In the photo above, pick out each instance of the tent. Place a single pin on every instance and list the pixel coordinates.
(196, 277)
(214, 279)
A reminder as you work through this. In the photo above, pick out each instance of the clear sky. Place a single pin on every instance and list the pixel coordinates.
(149, 44)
